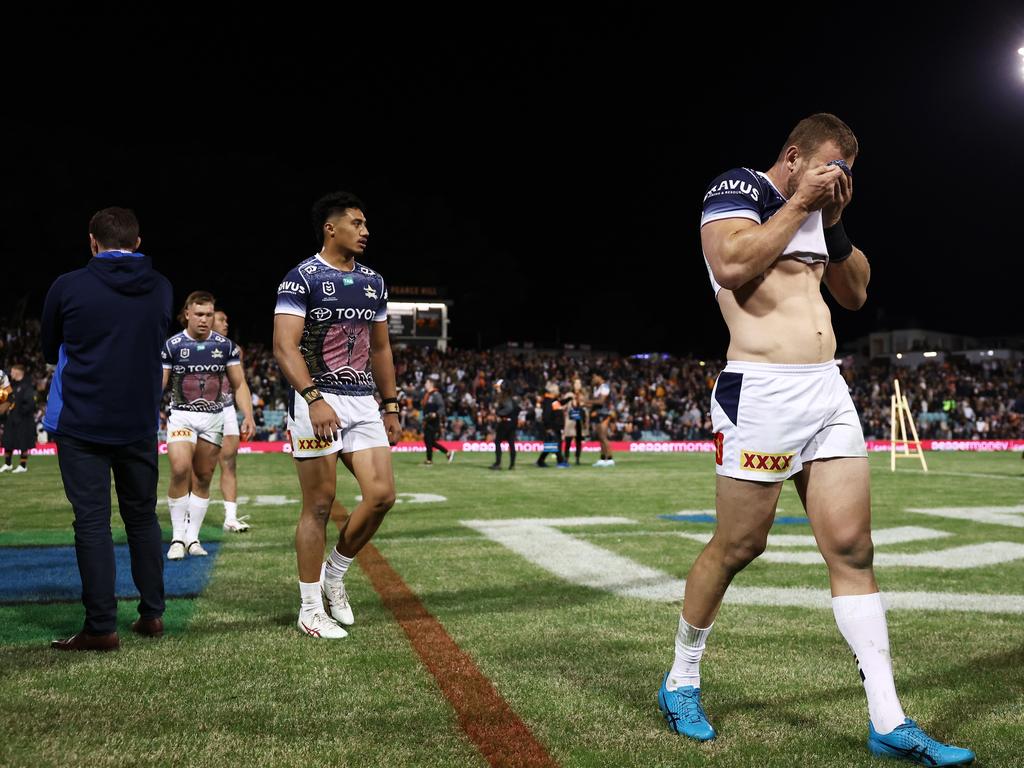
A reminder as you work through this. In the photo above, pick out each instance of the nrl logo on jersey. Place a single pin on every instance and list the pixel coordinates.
(370, 291)
(329, 288)
(185, 353)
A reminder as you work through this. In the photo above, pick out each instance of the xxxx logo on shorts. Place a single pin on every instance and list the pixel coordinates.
(311, 443)
(181, 433)
(719, 447)
(765, 462)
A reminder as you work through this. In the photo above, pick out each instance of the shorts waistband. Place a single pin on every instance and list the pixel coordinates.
(777, 369)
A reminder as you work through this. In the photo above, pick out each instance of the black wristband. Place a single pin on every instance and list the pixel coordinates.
(837, 243)
(387, 400)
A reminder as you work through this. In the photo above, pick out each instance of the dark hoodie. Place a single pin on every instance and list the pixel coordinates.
(103, 326)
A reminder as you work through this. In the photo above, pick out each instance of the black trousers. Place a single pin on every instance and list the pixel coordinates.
(506, 431)
(85, 469)
(431, 432)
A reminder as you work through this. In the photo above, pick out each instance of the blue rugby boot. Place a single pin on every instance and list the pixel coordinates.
(909, 742)
(683, 712)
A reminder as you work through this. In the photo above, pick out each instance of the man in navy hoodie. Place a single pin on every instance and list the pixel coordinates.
(103, 327)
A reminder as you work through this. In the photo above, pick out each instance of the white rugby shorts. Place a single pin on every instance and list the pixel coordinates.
(230, 422)
(188, 426)
(361, 426)
(770, 419)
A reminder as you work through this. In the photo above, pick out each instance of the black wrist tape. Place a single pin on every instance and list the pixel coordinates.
(837, 243)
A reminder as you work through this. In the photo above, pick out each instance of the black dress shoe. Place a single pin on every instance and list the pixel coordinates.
(148, 627)
(83, 641)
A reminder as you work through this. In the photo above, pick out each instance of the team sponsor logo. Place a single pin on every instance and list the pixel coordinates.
(320, 314)
(290, 286)
(216, 354)
(235, 352)
(206, 368)
(311, 444)
(367, 271)
(341, 313)
(385, 294)
(348, 281)
(719, 447)
(184, 432)
(370, 291)
(180, 369)
(176, 340)
(734, 185)
(185, 351)
(329, 288)
(163, 354)
(765, 462)
(310, 269)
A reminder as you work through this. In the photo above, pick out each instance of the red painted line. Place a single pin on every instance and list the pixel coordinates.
(502, 737)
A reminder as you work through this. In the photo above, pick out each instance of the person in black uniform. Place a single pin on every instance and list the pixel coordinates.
(508, 414)
(433, 421)
(20, 432)
(552, 420)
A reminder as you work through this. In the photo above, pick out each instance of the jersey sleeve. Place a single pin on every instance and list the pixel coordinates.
(166, 358)
(382, 306)
(292, 295)
(234, 355)
(736, 194)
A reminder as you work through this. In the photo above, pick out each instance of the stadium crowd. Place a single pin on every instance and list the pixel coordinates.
(653, 397)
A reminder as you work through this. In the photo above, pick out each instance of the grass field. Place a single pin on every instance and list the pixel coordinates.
(575, 640)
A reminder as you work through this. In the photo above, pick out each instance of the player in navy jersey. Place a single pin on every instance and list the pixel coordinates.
(331, 341)
(781, 410)
(229, 448)
(196, 362)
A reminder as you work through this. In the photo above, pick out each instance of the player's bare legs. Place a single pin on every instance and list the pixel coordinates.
(318, 480)
(338, 514)
(745, 512)
(837, 496)
(372, 469)
(190, 465)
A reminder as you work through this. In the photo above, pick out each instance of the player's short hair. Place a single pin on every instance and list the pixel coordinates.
(328, 205)
(811, 132)
(115, 228)
(18, 367)
(196, 297)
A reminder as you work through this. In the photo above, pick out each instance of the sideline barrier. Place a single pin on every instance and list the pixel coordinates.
(640, 446)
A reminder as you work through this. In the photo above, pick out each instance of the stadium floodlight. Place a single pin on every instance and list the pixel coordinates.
(931, 354)
(899, 355)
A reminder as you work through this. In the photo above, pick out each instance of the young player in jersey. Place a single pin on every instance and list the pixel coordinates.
(781, 410)
(195, 362)
(229, 448)
(331, 341)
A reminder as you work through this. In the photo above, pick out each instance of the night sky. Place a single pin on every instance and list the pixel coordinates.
(546, 169)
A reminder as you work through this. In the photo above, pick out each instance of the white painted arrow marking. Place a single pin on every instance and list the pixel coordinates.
(585, 564)
(1012, 516)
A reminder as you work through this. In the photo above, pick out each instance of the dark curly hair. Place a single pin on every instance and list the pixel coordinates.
(328, 205)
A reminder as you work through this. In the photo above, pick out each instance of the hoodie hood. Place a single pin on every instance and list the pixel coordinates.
(130, 274)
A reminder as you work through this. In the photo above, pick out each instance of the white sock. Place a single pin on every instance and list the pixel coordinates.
(230, 511)
(312, 601)
(689, 648)
(196, 513)
(179, 517)
(337, 565)
(861, 619)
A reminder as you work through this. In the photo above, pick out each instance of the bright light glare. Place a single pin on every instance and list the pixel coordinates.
(931, 354)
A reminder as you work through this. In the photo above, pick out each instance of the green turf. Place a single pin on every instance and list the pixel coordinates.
(234, 682)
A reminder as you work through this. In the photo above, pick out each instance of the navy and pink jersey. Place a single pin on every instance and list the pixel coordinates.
(198, 370)
(743, 193)
(337, 307)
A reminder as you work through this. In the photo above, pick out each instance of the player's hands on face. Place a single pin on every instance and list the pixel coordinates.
(248, 429)
(817, 187)
(841, 195)
(324, 420)
(392, 427)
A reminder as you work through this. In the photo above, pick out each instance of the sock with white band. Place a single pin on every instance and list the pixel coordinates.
(312, 601)
(230, 511)
(861, 620)
(337, 565)
(196, 513)
(690, 642)
(179, 517)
